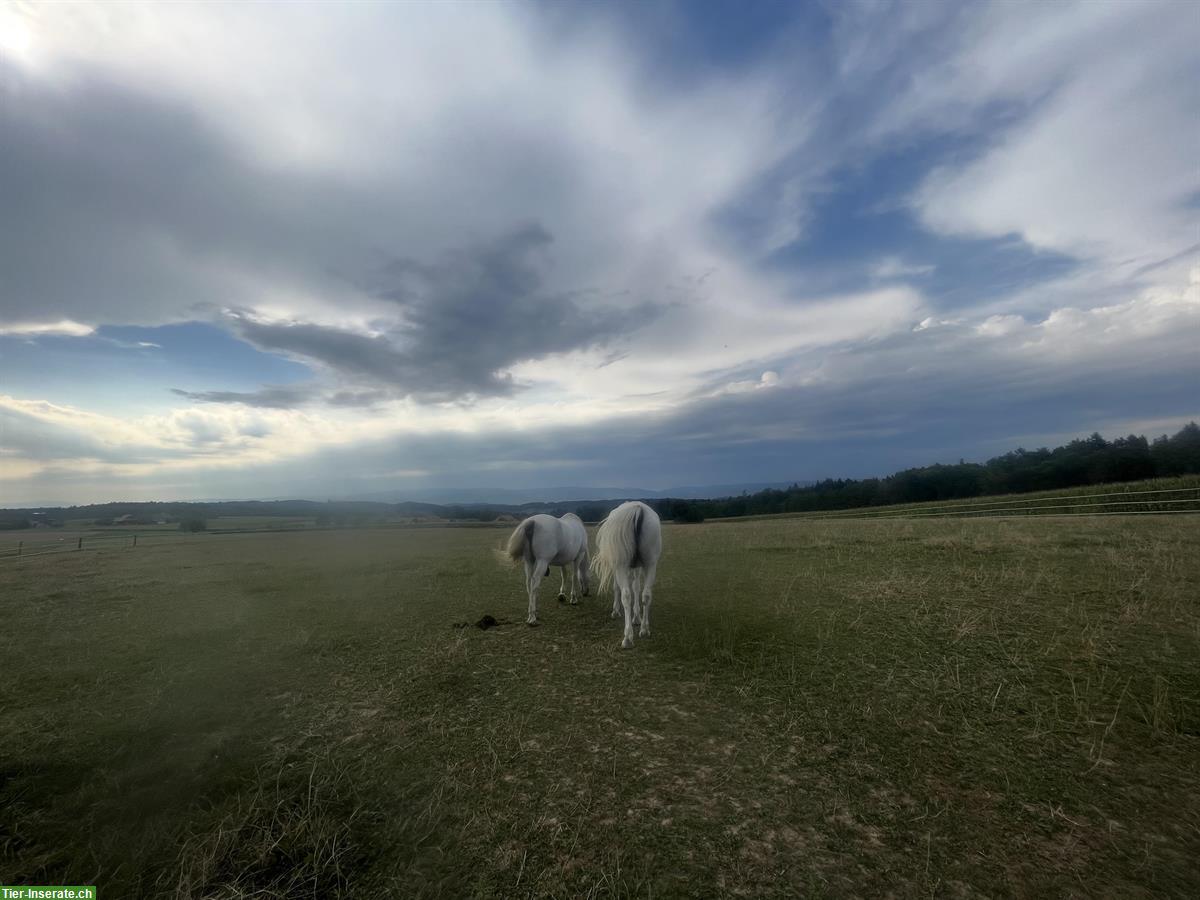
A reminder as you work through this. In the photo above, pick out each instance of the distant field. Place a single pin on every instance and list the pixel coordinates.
(919, 707)
(103, 536)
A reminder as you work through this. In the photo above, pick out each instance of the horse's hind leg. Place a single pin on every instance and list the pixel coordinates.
(576, 576)
(647, 597)
(533, 579)
(635, 580)
(575, 583)
(625, 590)
(562, 588)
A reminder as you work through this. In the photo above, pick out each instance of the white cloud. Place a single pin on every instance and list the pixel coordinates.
(16, 37)
(63, 327)
(1157, 312)
(893, 267)
(767, 380)
(1101, 166)
(999, 326)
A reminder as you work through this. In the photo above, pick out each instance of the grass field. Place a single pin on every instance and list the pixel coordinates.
(825, 708)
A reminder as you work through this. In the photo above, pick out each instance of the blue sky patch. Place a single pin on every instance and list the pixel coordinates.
(122, 365)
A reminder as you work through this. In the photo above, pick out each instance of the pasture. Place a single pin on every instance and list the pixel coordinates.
(825, 708)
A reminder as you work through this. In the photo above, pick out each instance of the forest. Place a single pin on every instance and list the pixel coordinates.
(1091, 460)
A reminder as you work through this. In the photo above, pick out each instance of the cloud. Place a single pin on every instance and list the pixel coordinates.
(63, 327)
(909, 399)
(361, 224)
(1098, 166)
(463, 321)
(503, 236)
(275, 397)
(892, 267)
(293, 192)
(999, 326)
(768, 379)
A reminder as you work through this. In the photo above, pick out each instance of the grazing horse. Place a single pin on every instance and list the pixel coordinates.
(543, 541)
(628, 546)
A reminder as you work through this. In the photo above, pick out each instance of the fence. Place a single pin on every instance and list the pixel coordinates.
(1149, 502)
(73, 543)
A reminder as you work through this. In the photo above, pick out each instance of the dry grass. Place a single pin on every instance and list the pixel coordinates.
(825, 708)
(291, 833)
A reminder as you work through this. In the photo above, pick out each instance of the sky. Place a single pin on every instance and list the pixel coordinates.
(332, 250)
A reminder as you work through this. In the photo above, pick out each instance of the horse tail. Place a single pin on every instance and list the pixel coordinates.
(617, 542)
(637, 539)
(520, 543)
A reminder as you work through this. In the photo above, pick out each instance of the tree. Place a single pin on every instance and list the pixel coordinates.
(193, 525)
(1178, 454)
(685, 511)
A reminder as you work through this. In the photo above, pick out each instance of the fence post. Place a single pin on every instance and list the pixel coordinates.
(134, 541)
(79, 546)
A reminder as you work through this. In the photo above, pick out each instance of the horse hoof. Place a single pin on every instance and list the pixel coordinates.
(533, 623)
(627, 644)
(574, 601)
(562, 598)
(643, 634)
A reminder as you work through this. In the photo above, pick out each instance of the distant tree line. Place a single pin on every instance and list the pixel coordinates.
(1091, 460)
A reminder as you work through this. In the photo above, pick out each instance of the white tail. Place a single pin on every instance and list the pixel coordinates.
(628, 545)
(614, 542)
(518, 543)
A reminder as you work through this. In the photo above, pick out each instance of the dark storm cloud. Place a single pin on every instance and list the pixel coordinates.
(464, 319)
(122, 198)
(290, 397)
(271, 397)
(351, 399)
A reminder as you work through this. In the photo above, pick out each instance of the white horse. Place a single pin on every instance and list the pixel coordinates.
(543, 541)
(628, 546)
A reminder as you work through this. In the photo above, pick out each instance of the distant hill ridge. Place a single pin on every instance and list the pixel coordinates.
(520, 496)
(1091, 460)
(595, 502)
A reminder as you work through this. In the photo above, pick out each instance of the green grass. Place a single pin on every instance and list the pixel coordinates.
(831, 708)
